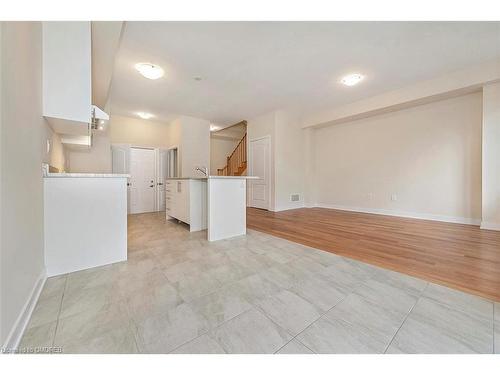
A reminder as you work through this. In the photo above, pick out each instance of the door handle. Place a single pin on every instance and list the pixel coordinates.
(151, 186)
(160, 183)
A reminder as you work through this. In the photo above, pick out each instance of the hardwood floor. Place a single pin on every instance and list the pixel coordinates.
(459, 256)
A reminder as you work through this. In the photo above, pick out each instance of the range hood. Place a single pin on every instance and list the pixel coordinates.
(83, 139)
(98, 114)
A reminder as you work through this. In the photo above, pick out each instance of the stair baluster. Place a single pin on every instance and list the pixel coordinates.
(236, 163)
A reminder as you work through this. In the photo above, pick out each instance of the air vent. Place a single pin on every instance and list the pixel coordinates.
(295, 197)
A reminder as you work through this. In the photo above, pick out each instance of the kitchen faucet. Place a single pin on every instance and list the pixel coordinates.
(203, 170)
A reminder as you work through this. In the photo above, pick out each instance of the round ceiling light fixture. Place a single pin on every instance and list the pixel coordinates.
(352, 79)
(145, 115)
(150, 71)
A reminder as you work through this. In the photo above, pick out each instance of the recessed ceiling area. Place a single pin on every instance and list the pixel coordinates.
(250, 68)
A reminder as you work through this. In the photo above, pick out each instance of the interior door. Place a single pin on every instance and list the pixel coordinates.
(162, 175)
(259, 165)
(120, 163)
(142, 180)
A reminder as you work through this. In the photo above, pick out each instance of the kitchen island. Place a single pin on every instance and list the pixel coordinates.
(215, 203)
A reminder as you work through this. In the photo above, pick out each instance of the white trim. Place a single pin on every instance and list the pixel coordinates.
(259, 138)
(490, 225)
(290, 206)
(271, 207)
(412, 215)
(17, 331)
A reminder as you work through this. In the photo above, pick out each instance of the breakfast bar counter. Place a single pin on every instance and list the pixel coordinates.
(215, 203)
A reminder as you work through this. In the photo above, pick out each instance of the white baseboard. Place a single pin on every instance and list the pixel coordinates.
(412, 215)
(17, 331)
(289, 207)
(490, 226)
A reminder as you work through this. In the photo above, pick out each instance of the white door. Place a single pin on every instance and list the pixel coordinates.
(142, 180)
(259, 165)
(120, 163)
(162, 174)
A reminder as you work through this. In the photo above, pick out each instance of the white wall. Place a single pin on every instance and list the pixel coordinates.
(138, 132)
(195, 149)
(22, 135)
(220, 149)
(120, 129)
(289, 161)
(287, 156)
(429, 156)
(491, 157)
(96, 159)
(192, 137)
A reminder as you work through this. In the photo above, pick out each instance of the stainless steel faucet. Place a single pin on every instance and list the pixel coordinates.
(203, 170)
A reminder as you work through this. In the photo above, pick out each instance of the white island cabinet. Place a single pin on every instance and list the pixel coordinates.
(85, 217)
(186, 201)
(215, 203)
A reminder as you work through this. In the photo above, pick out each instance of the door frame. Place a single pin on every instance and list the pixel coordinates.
(157, 161)
(158, 150)
(271, 171)
(176, 147)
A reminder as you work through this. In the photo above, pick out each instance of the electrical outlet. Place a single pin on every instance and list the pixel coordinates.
(394, 197)
(294, 197)
(370, 196)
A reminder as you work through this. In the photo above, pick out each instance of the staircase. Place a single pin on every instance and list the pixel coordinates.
(236, 162)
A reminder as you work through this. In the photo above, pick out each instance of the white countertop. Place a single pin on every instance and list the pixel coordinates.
(86, 175)
(216, 177)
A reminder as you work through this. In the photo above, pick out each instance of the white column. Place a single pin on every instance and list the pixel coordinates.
(491, 158)
(309, 183)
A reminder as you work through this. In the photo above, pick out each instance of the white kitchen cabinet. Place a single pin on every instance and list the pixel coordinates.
(67, 77)
(186, 200)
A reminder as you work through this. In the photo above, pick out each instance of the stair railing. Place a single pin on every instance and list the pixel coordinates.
(236, 161)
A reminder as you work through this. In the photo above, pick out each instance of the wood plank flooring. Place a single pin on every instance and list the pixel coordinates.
(459, 256)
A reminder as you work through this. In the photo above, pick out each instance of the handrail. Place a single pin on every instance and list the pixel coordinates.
(236, 162)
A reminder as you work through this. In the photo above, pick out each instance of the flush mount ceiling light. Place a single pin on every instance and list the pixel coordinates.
(149, 70)
(352, 79)
(145, 115)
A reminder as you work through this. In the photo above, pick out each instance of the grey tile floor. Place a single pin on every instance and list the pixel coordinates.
(178, 293)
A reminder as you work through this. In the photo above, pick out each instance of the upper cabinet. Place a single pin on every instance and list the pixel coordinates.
(67, 78)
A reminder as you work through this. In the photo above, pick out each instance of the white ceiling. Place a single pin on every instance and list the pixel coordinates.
(250, 68)
(235, 132)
